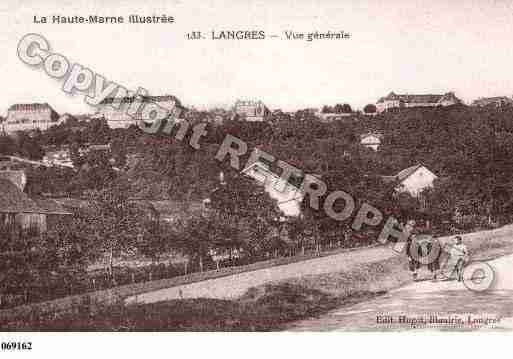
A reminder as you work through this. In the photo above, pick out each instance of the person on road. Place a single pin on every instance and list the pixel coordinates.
(413, 263)
(423, 249)
(458, 256)
(433, 253)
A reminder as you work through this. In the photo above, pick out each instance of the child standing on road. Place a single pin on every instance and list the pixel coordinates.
(459, 256)
(413, 264)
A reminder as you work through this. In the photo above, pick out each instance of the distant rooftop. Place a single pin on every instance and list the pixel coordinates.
(130, 99)
(483, 101)
(248, 102)
(373, 134)
(420, 98)
(30, 107)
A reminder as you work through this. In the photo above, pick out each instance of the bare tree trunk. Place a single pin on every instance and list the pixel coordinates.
(111, 266)
(111, 262)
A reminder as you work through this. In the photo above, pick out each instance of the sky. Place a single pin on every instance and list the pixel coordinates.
(405, 46)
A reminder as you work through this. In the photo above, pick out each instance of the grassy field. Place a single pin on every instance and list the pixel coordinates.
(268, 307)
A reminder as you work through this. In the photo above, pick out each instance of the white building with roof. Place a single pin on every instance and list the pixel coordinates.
(413, 180)
(392, 101)
(371, 140)
(287, 195)
(115, 110)
(498, 101)
(30, 117)
(251, 110)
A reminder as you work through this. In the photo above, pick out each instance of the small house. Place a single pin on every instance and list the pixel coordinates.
(371, 140)
(287, 195)
(413, 180)
(19, 211)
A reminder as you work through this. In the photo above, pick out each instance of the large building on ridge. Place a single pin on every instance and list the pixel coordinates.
(394, 101)
(498, 101)
(29, 117)
(251, 110)
(115, 109)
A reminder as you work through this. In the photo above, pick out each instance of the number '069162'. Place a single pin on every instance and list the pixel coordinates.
(16, 346)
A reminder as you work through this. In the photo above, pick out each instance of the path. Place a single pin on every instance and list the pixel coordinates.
(234, 286)
(438, 302)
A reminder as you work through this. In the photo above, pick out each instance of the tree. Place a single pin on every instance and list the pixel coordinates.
(154, 240)
(326, 109)
(370, 108)
(116, 222)
(30, 147)
(197, 239)
(244, 205)
(94, 173)
(346, 108)
(339, 108)
(7, 145)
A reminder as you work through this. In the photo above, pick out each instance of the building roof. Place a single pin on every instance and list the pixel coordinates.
(483, 101)
(423, 98)
(31, 107)
(379, 136)
(269, 176)
(403, 174)
(130, 99)
(245, 105)
(248, 103)
(407, 172)
(104, 147)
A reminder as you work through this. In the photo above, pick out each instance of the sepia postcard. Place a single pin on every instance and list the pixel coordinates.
(255, 166)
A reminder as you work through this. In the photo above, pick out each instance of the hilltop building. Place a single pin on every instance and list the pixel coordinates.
(251, 110)
(329, 117)
(394, 101)
(498, 101)
(114, 109)
(29, 117)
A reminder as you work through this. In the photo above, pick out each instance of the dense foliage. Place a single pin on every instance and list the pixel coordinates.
(469, 149)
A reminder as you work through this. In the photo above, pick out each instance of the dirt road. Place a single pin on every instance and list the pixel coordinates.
(428, 305)
(233, 286)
